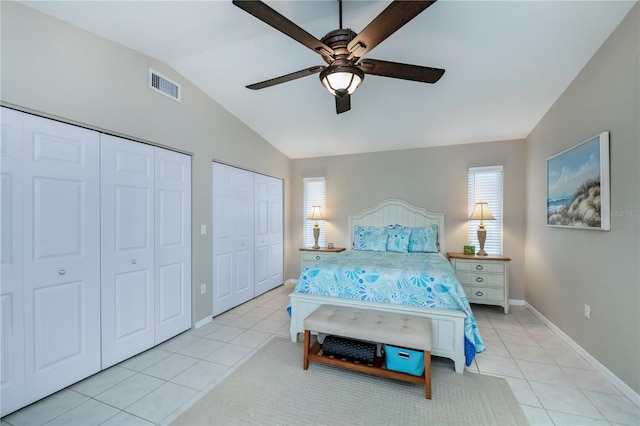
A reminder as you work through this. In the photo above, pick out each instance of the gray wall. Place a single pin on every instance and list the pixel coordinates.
(567, 268)
(433, 178)
(60, 71)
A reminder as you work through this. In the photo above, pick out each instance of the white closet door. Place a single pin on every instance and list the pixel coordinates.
(11, 300)
(61, 255)
(269, 233)
(233, 236)
(127, 290)
(172, 243)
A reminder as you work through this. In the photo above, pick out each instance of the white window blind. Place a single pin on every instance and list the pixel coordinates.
(315, 191)
(486, 184)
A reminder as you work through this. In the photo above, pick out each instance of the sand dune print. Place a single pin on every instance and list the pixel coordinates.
(574, 187)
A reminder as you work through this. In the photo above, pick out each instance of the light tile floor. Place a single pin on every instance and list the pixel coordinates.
(554, 384)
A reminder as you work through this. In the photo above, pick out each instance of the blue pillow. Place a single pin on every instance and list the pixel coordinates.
(371, 238)
(424, 239)
(398, 238)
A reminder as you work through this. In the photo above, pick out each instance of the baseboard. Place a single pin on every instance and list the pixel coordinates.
(291, 281)
(619, 384)
(203, 321)
(516, 302)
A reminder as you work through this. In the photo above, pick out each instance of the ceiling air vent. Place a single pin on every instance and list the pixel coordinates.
(162, 84)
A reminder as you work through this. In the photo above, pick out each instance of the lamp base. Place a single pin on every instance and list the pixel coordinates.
(482, 237)
(316, 235)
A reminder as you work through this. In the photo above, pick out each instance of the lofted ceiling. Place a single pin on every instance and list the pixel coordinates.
(506, 63)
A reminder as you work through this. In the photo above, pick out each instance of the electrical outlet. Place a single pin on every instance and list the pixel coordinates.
(203, 288)
(587, 311)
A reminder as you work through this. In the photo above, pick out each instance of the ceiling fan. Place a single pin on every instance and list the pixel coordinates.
(343, 49)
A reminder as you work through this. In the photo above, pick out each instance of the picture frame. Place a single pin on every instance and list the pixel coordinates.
(578, 186)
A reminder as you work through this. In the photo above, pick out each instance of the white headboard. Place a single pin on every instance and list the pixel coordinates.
(391, 212)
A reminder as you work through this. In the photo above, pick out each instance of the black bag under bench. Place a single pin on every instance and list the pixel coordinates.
(353, 350)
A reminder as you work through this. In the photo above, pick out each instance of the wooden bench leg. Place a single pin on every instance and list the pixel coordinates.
(307, 340)
(427, 373)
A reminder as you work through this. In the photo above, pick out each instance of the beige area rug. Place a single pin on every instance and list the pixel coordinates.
(271, 388)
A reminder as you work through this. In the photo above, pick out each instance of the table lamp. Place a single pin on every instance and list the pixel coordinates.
(316, 214)
(481, 212)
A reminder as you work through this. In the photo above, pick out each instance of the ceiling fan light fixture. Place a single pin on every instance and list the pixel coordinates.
(341, 80)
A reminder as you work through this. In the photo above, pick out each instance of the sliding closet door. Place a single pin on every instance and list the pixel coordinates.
(269, 233)
(61, 255)
(172, 243)
(11, 300)
(127, 193)
(233, 237)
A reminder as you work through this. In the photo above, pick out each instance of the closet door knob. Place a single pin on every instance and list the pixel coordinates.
(62, 272)
(134, 261)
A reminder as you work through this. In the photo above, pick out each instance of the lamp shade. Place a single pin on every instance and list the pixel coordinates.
(481, 212)
(315, 213)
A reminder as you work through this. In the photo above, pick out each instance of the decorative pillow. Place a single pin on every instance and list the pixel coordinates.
(398, 238)
(371, 238)
(424, 239)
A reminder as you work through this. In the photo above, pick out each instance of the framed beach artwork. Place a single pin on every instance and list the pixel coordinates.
(578, 186)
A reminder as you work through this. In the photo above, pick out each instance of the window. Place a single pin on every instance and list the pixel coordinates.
(485, 184)
(315, 190)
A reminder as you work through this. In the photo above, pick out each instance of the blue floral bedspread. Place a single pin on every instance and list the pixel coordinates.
(416, 279)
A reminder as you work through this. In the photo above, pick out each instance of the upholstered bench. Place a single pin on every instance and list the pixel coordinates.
(390, 328)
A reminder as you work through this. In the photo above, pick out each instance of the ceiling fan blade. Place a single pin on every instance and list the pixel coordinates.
(403, 71)
(388, 22)
(343, 104)
(269, 16)
(285, 78)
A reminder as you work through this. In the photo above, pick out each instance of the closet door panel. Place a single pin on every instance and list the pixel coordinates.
(61, 255)
(172, 243)
(233, 280)
(269, 233)
(127, 193)
(12, 395)
(262, 216)
(276, 233)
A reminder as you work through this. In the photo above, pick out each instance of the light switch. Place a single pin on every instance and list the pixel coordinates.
(203, 229)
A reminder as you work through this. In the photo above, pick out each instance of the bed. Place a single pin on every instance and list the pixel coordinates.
(421, 284)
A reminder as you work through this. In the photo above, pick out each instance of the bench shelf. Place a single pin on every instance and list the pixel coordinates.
(311, 353)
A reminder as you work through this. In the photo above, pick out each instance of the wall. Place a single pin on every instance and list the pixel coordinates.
(61, 71)
(567, 268)
(433, 178)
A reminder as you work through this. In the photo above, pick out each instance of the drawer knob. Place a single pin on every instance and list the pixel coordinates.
(318, 257)
(479, 267)
(479, 293)
(134, 261)
(479, 279)
(62, 272)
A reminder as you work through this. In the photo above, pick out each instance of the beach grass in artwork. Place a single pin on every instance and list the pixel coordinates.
(578, 185)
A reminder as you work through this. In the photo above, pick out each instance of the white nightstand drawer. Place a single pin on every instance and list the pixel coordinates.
(489, 294)
(470, 278)
(316, 257)
(492, 267)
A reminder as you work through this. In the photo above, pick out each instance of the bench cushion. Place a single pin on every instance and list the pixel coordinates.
(409, 331)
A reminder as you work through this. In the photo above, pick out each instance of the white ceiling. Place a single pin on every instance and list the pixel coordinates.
(506, 63)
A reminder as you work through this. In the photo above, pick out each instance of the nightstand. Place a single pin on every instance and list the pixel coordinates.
(309, 256)
(485, 279)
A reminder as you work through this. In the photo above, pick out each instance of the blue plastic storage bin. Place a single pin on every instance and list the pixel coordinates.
(404, 360)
